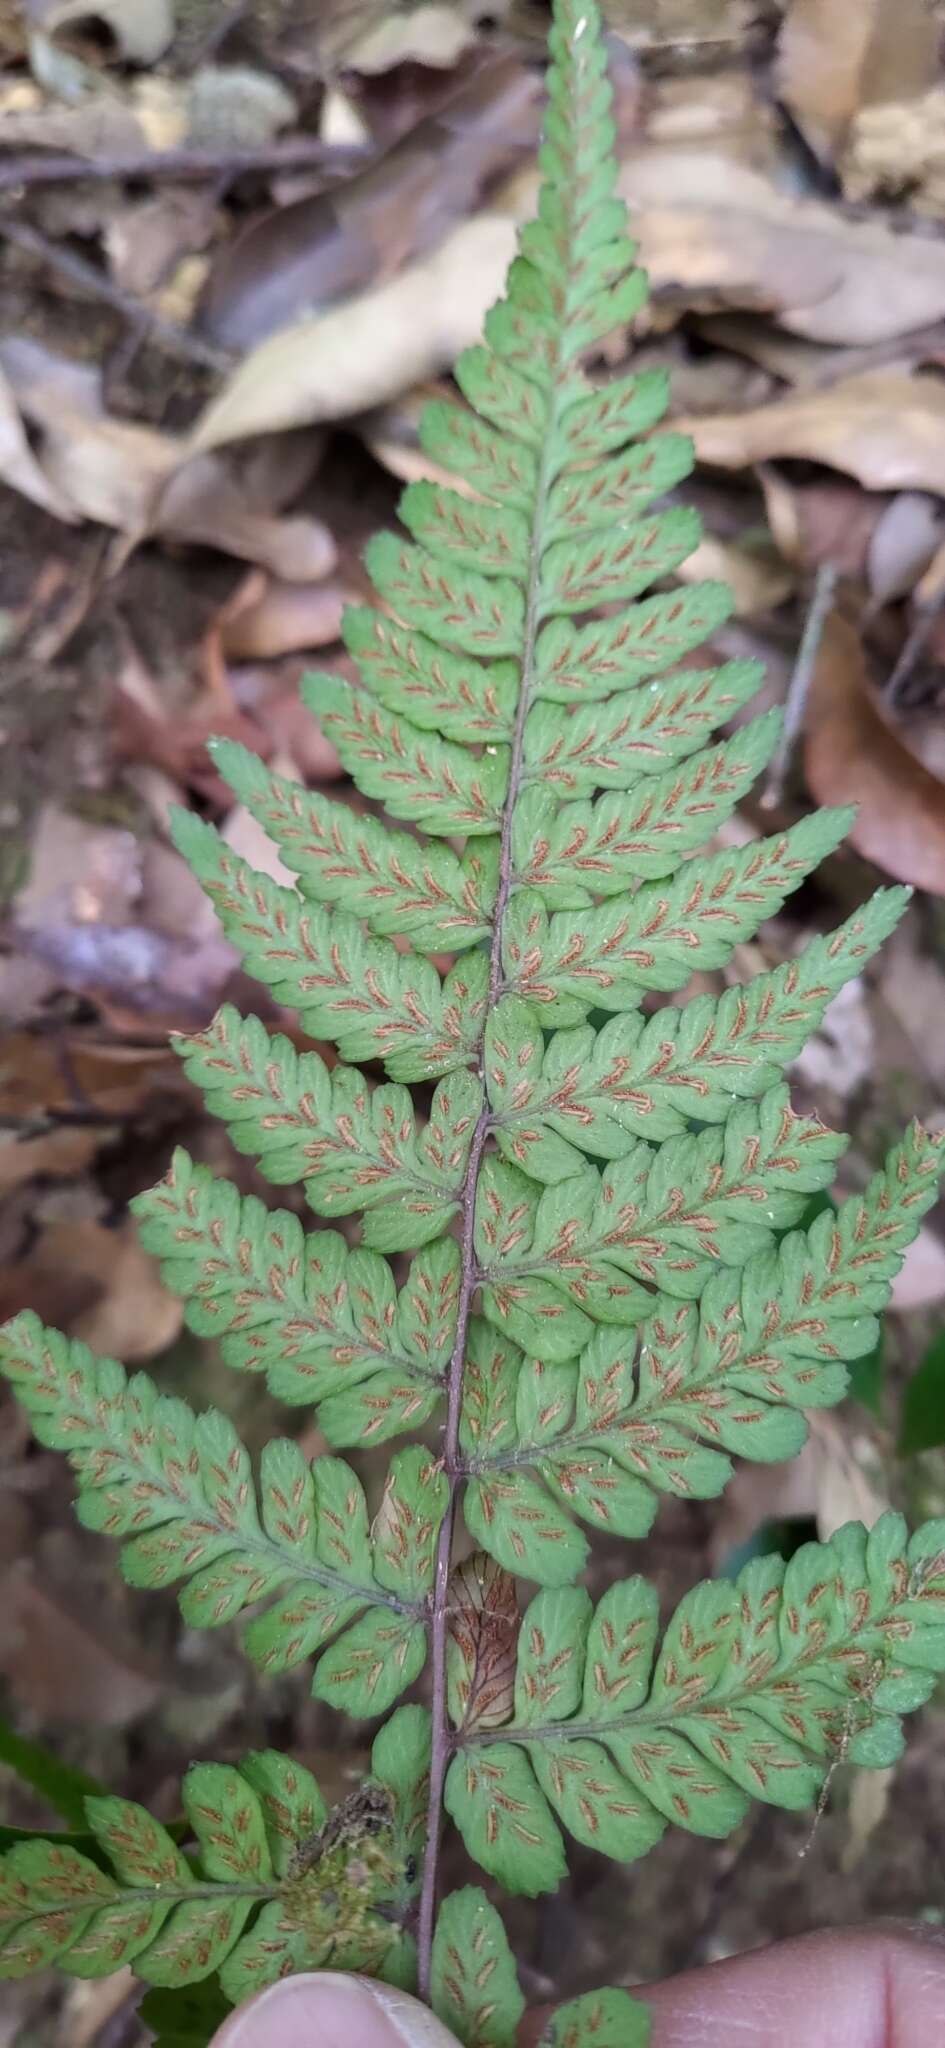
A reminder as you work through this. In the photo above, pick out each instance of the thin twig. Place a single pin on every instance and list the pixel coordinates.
(798, 689)
(175, 341)
(919, 635)
(304, 152)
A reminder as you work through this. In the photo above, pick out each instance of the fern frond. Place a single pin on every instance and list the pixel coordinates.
(571, 852)
(346, 858)
(659, 1219)
(586, 1091)
(634, 734)
(316, 1317)
(332, 1888)
(465, 700)
(376, 1002)
(178, 1489)
(607, 1293)
(754, 1689)
(627, 1422)
(572, 961)
(353, 1146)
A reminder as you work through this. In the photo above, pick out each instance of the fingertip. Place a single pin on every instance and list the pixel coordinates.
(325, 2009)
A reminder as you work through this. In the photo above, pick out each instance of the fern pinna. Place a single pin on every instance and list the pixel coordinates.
(580, 1277)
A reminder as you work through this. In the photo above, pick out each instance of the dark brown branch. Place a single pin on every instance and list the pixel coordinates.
(799, 686)
(305, 152)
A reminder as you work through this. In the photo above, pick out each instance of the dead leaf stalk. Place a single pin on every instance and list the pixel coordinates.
(825, 584)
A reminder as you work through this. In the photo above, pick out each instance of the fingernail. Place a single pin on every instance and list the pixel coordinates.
(327, 2010)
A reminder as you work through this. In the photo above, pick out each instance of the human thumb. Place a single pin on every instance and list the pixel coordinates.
(326, 2010)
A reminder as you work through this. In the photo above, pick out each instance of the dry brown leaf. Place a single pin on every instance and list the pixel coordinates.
(836, 56)
(483, 1638)
(829, 521)
(709, 228)
(141, 481)
(57, 1669)
(301, 259)
(364, 352)
(18, 465)
(204, 501)
(283, 617)
(136, 1316)
(854, 754)
(886, 428)
(714, 231)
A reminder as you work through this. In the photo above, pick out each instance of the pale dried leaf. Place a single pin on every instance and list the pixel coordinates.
(866, 1808)
(363, 353)
(432, 35)
(886, 428)
(142, 28)
(713, 229)
(756, 576)
(848, 1485)
(141, 481)
(204, 502)
(18, 465)
(840, 1055)
(907, 536)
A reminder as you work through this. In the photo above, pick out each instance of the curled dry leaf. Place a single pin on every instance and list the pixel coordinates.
(835, 57)
(711, 227)
(142, 28)
(141, 481)
(483, 1639)
(18, 465)
(885, 427)
(853, 754)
